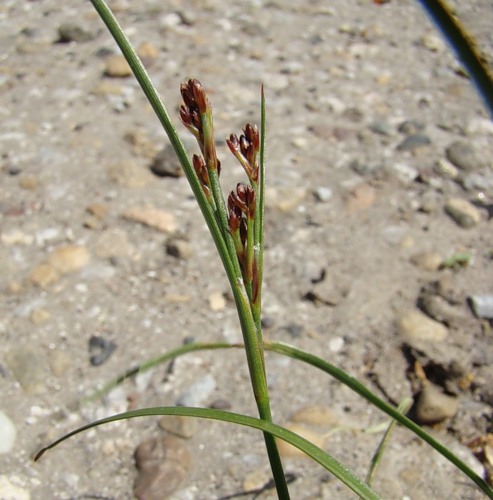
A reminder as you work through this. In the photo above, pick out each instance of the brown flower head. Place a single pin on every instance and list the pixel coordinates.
(195, 103)
(246, 149)
(243, 199)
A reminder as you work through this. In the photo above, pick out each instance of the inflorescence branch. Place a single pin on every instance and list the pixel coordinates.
(237, 218)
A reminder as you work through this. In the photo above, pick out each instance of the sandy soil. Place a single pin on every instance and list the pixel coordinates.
(357, 219)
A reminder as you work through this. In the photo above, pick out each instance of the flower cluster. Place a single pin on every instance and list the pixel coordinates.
(238, 217)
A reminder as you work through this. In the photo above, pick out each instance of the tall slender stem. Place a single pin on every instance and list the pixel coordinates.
(217, 223)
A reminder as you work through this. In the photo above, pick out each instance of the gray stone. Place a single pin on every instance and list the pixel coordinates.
(464, 214)
(410, 127)
(382, 128)
(404, 172)
(482, 305)
(464, 156)
(440, 309)
(71, 32)
(198, 392)
(475, 181)
(414, 142)
(166, 164)
(323, 194)
(100, 349)
(446, 168)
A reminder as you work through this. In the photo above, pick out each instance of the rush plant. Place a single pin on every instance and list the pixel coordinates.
(236, 226)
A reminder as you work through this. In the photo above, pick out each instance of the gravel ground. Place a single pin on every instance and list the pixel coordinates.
(378, 245)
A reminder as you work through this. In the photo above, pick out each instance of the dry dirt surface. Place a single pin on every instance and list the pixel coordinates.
(379, 246)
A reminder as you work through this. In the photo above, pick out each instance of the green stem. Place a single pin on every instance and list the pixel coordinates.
(249, 259)
(259, 219)
(221, 236)
(404, 407)
(328, 368)
(160, 110)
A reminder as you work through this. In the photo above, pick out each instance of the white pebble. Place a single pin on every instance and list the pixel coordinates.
(8, 434)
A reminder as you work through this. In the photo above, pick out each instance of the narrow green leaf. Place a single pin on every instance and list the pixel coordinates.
(360, 389)
(464, 46)
(403, 408)
(327, 367)
(330, 463)
(260, 213)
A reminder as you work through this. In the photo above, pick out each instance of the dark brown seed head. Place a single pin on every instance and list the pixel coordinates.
(200, 96)
(234, 218)
(233, 143)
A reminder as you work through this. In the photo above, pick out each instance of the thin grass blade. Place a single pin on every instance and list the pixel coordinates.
(328, 368)
(331, 464)
(464, 47)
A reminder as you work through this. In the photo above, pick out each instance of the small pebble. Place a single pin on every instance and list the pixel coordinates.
(411, 127)
(433, 42)
(446, 168)
(294, 329)
(217, 301)
(268, 322)
(479, 126)
(464, 213)
(162, 463)
(414, 142)
(179, 248)
(29, 367)
(287, 450)
(148, 53)
(71, 32)
(220, 404)
(152, 217)
(475, 181)
(69, 258)
(29, 182)
(336, 344)
(198, 392)
(434, 406)
(184, 427)
(463, 156)
(117, 67)
(8, 434)
(382, 128)
(100, 349)
(414, 325)
(318, 415)
(482, 305)
(404, 172)
(43, 275)
(429, 261)
(323, 194)
(165, 164)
